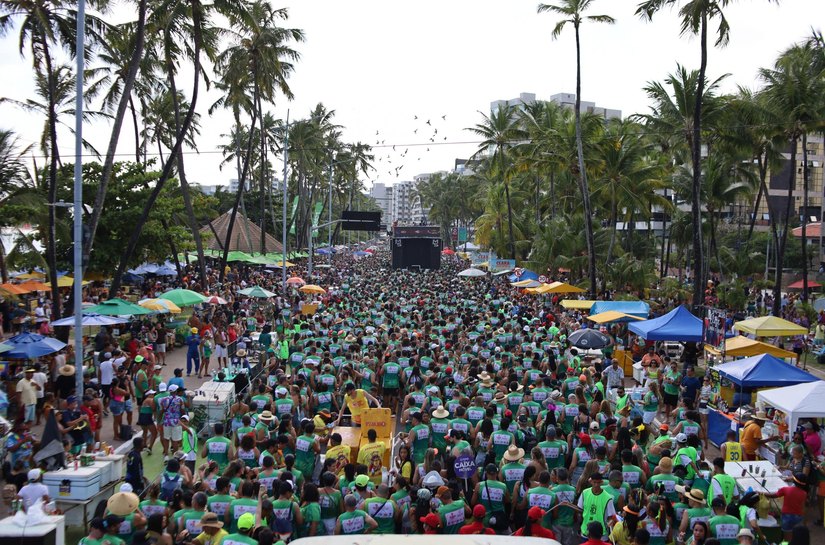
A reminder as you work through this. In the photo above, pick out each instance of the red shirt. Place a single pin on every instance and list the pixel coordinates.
(594, 542)
(794, 503)
(476, 527)
(537, 530)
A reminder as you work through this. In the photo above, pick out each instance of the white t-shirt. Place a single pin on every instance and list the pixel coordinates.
(107, 372)
(40, 379)
(33, 492)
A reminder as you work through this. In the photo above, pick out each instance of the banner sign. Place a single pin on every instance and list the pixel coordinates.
(497, 265)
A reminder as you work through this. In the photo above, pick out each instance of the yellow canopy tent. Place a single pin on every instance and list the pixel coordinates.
(769, 326)
(563, 287)
(538, 290)
(34, 275)
(740, 346)
(610, 316)
(65, 282)
(577, 304)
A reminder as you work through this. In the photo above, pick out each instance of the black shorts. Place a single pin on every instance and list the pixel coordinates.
(105, 388)
(671, 399)
(145, 419)
(391, 392)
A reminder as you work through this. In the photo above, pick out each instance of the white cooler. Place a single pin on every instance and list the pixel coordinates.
(118, 461)
(106, 474)
(216, 397)
(81, 484)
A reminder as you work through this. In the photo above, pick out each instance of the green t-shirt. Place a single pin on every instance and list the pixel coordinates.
(564, 516)
(554, 452)
(500, 441)
(389, 378)
(542, 497)
(512, 473)
(311, 513)
(452, 516)
(632, 475)
(353, 522)
(439, 427)
(671, 382)
(724, 528)
(491, 495)
(330, 504)
(421, 442)
(670, 481)
(219, 504)
(238, 539)
(238, 507)
(383, 511)
(217, 450)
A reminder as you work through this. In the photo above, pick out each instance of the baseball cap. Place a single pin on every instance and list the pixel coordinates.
(172, 388)
(162, 387)
(194, 330)
(681, 438)
(139, 359)
(247, 521)
(362, 480)
(594, 425)
(34, 474)
(479, 511)
(126, 487)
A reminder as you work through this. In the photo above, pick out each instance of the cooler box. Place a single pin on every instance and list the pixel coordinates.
(381, 421)
(216, 397)
(118, 461)
(81, 484)
(106, 473)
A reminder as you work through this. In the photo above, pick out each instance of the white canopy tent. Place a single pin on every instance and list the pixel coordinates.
(805, 400)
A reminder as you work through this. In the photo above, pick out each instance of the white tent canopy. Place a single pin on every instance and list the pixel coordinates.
(799, 401)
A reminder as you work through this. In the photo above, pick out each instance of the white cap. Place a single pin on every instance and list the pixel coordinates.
(126, 487)
(34, 474)
(173, 388)
(162, 387)
(681, 438)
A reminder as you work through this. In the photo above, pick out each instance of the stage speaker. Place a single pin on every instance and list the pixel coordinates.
(416, 252)
(360, 221)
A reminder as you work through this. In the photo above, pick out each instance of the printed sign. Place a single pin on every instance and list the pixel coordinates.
(465, 466)
(497, 265)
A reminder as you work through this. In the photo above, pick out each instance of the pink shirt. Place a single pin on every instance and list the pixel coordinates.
(813, 442)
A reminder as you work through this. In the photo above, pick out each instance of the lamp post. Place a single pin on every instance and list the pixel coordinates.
(78, 195)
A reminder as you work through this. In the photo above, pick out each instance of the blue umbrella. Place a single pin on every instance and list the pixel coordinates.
(31, 345)
(323, 251)
(90, 320)
(361, 254)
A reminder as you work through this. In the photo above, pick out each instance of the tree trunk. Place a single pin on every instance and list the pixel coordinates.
(241, 185)
(510, 221)
(752, 224)
(184, 184)
(51, 242)
(173, 249)
(263, 183)
(696, 186)
(804, 216)
(585, 191)
(167, 168)
(780, 246)
(4, 272)
(137, 129)
(123, 103)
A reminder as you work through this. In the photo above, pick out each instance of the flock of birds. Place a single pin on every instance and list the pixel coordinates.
(393, 153)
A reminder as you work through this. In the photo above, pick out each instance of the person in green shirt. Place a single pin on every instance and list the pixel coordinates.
(501, 439)
(241, 536)
(141, 379)
(97, 531)
(383, 509)
(697, 510)
(460, 423)
(722, 526)
(596, 505)
(632, 475)
(246, 504)
(453, 513)
(220, 501)
(189, 519)
(670, 386)
(512, 471)
(307, 451)
(493, 495)
(664, 480)
(686, 456)
(439, 425)
(541, 496)
(554, 450)
(331, 501)
(419, 438)
(287, 516)
(618, 489)
(218, 448)
(564, 515)
(390, 374)
(354, 521)
(310, 512)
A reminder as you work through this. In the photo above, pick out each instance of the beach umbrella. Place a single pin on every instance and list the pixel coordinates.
(257, 291)
(160, 305)
(65, 282)
(12, 289)
(4, 348)
(90, 320)
(312, 288)
(471, 273)
(31, 346)
(295, 281)
(588, 338)
(182, 297)
(361, 254)
(215, 300)
(34, 285)
(117, 307)
(447, 251)
(34, 275)
(527, 284)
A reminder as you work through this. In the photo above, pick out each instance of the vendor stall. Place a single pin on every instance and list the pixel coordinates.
(634, 308)
(740, 346)
(739, 378)
(805, 400)
(677, 325)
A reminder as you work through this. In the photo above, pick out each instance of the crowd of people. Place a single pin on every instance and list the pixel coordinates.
(559, 443)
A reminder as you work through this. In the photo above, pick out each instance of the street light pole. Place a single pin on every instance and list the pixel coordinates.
(77, 286)
(329, 214)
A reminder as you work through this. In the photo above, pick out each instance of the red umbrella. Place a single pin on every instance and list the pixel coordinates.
(798, 285)
(447, 251)
(215, 300)
(295, 281)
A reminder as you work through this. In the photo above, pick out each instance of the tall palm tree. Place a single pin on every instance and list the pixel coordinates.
(13, 176)
(572, 12)
(695, 16)
(500, 132)
(795, 87)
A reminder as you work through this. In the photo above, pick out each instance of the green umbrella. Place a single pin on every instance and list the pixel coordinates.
(5, 348)
(238, 256)
(262, 260)
(256, 291)
(117, 307)
(183, 298)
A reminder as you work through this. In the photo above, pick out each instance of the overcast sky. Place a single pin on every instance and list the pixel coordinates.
(380, 63)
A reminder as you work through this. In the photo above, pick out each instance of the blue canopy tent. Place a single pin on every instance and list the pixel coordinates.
(677, 325)
(526, 274)
(634, 308)
(762, 371)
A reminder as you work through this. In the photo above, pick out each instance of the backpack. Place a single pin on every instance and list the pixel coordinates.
(529, 440)
(168, 486)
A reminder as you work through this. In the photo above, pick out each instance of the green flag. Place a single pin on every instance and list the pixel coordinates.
(317, 216)
(292, 216)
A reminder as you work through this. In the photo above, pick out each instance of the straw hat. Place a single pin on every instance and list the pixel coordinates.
(266, 416)
(441, 412)
(350, 338)
(484, 376)
(66, 370)
(123, 503)
(760, 416)
(487, 382)
(514, 453)
(210, 520)
(499, 396)
(241, 353)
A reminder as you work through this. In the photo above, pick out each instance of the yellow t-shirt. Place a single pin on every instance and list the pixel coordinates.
(357, 403)
(341, 453)
(733, 451)
(365, 452)
(321, 429)
(205, 539)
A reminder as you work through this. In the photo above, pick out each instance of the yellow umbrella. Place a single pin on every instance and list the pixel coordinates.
(160, 305)
(65, 282)
(526, 284)
(770, 326)
(538, 290)
(610, 316)
(563, 287)
(577, 304)
(34, 275)
(743, 346)
(312, 288)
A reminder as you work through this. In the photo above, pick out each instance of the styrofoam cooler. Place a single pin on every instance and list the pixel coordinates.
(216, 397)
(82, 483)
(117, 461)
(106, 474)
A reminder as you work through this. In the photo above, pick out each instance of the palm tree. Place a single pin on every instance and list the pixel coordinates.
(500, 132)
(13, 176)
(695, 15)
(795, 88)
(572, 12)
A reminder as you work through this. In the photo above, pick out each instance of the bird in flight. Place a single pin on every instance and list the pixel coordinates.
(415, 131)
(416, 117)
(444, 117)
(376, 133)
(428, 122)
